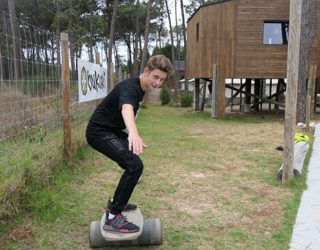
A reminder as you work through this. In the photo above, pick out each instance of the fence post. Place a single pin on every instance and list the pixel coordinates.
(214, 92)
(292, 87)
(65, 81)
(308, 112)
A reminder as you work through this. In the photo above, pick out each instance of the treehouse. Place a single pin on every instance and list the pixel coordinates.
(245, 39)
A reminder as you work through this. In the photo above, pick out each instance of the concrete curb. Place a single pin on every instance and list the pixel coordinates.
(306, 231)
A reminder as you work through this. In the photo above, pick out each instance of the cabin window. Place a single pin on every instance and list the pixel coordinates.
(197, 34)
(275, 32)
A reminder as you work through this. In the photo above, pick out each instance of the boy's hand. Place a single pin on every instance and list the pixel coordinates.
(136, 144)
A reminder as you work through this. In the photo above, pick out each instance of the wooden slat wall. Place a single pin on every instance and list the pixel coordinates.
(254, 59)
(231, 35)
(216, 41)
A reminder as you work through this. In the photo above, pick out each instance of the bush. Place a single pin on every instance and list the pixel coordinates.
(165, 96)
(186, 100)
(174, 102)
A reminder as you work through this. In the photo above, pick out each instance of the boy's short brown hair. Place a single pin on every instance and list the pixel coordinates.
(160, 62)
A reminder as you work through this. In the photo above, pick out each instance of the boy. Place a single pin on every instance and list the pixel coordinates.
(113, 132)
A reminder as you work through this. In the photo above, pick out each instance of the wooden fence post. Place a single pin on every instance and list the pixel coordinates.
(218, 90)
(220, 94)
(214, 92)
(292, 87)
(65, 81)
(302, 28)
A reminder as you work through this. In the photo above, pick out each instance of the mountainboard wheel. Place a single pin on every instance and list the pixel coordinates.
(152, 232)
(95, 237)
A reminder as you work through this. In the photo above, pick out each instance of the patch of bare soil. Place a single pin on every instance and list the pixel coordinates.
(21, 233)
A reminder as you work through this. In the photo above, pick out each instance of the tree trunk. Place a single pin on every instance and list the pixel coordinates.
(140, 47)
(1, 67)
(159, 35)
(91, 47)
(136, 44)
(175, 83)
(58, 31)
(15, 39)
(171, 32)
(308, 29)
(177, 32)
(129, 64)
(184, 40)
(146, 37)
(111, 37)
(117, 63)
(71, 41)
(72, 60)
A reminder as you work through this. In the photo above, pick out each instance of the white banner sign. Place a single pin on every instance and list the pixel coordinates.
(92, 81)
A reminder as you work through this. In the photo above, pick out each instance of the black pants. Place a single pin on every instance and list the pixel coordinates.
(116, 148)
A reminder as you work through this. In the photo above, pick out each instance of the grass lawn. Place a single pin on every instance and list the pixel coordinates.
(211, 182)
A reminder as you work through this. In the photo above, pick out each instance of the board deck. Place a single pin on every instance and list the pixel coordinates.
(135, 217)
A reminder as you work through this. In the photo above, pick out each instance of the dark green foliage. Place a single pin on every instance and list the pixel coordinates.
(186, 100)
(165, 96)
(166, 50)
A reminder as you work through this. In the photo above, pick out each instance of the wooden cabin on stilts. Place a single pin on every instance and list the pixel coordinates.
(240, 47)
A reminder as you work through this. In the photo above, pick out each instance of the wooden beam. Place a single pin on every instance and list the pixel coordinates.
(311, 87)
(238, 91)
(65, 82)
(214, 90)
(308, 110)
(196, 94)
(266, 99)
(314, 96)
(258, 92)
(221, 95)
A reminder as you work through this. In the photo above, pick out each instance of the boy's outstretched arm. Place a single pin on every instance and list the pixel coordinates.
(136, 143)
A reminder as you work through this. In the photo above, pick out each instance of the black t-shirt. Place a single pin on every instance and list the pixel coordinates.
(107, 116)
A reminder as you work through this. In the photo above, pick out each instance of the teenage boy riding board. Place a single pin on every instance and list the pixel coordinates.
(112, 131)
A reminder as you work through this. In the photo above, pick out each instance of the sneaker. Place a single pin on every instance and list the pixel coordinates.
(127, 208)
(120, 224)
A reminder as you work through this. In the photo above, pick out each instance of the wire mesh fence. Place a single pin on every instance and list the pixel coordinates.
(31, 96)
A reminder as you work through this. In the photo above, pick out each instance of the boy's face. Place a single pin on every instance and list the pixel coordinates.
(154, 78)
